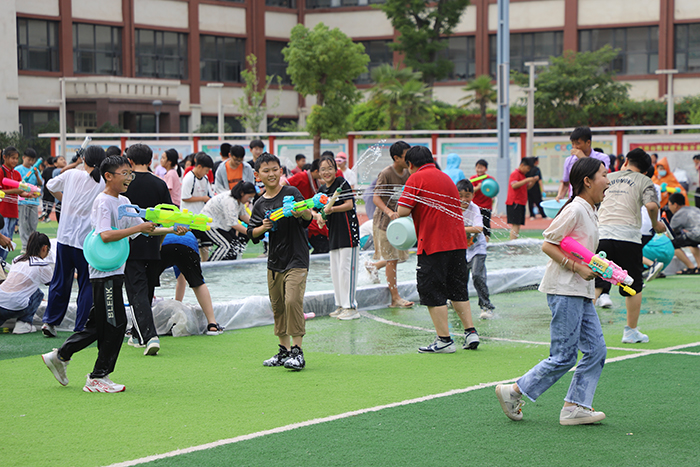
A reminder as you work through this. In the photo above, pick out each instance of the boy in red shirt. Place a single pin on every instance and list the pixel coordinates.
(484, 202)
(431, 198)
(8, 205)
(517, 195)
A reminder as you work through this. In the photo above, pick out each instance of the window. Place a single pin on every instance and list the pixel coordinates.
(37, 45)
(688, 48)
(232, 122)
(339, 3)
(85, 121)
(161, 54)
(145, 123)
(97, 49)
(32, 121)
(184, 124)
(276, 66)
(221, 58)
(528, 47)
(461, 51)
(282, 3)
(379, 54)
(639, 47)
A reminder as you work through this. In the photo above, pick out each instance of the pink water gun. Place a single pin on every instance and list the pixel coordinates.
(21, 185)
(608, 270)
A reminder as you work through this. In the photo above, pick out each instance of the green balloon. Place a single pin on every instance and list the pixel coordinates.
(489, 187)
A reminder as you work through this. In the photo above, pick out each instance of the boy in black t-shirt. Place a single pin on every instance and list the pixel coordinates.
(287, 261)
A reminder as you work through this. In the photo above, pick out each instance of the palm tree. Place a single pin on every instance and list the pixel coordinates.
(402, 92)
(484, 94)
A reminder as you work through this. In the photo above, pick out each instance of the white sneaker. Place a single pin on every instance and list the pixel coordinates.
(102, 385)
(49, 330)
(633, 336)
(511, 402)
(348, 314)
(22, 327)
(134, 342)
(336, 312)
(486, 314)
(152, 347)
(580, 416)
(438, 346)
(57, 366)
(604, 301)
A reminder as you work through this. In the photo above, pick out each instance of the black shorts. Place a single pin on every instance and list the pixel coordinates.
(681, 241)
(486, 215)
(442, 276)
(628, 256)
(515, 214)
(187, 261)
(203, 239)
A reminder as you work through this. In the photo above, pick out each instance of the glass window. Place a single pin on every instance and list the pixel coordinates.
(33, 120)
(276, 66)
(688, 48)
(639, 47)
(97, 49)
(221, 58)
(339, 3)
(161, 54)
(282, 3)
(379, 54)
(528, 47)
(37, 45)
(462, 53)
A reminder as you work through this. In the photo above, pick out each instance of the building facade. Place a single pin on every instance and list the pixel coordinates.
(119, 56)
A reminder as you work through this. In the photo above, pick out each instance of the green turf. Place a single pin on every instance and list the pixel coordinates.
(49, 228)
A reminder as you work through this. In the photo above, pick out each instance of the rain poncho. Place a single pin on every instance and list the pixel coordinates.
(669, 179)
(452, 167)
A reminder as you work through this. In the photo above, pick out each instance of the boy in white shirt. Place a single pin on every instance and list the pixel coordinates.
(196, 191)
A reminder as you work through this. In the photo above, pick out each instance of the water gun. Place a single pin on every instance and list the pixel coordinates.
(608, 270)
(21, 185)
(167, 215)
(479, 178)
(669, 189)
(319, 201)
(31, 171)
(79, 152)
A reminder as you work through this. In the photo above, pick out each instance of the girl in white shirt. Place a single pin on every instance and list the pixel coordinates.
(570, 294)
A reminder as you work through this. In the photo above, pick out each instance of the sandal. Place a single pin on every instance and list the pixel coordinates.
(402, 304)
(213, 329)
(689, 271)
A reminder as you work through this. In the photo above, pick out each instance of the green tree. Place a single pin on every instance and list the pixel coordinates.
(324, 63)
(402, 93)
(107, 127)
(210, 127)
(483, 94)
(252, 105)
(574, 84)
(422, 28)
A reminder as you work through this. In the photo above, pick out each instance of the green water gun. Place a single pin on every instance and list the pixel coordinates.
(167, 215)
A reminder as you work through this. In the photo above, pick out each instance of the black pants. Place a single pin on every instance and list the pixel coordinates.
(141, 280)
(486, 215)
(106, 325)
(320, 244)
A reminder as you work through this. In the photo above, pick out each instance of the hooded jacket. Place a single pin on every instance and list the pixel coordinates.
(669, 179)
(452, 167)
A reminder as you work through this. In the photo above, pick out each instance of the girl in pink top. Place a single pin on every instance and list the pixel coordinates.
(169, 161)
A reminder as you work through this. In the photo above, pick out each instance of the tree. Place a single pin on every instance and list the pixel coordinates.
(403, 95)
(324, 63)
(574, 84)
(422, 28)
(252, 104)
(484, 94)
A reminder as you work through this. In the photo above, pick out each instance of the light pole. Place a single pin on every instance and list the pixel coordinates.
(531, 105)
(61, 115)
(669, 98)
(503, 83)
(220, 109)
(157, 106)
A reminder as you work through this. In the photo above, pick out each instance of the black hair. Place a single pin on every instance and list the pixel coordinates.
(586, 167)
(299, 157)
(173, 157)
(36, 242)
(328, 153)
(398, 148)
(330, 159)
(224, 149)
(465, 185)
(140, 154)
(640, 159)
(600, 150)
(613, 159)
(237, 151)
(8, 151)
(650, 171)
(583, 133)
(113, 151)
(308, 167)
(315, 165)
(528, 161)
(264, 158)
(50, 160)
(242, 188)
(93, 157)
(112, 163)
(482, 162)
(256, 143)
(419, 156)
(677, 198)
(695, 157)
(30, 153)
(203, 159)
(188, 158)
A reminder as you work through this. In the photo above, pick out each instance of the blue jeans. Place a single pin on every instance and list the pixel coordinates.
(8, 231)
(26, 314)
(575, 326)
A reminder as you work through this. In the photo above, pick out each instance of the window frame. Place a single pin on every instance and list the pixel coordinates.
(116, 50)
(685, 50)
(470, 59)
(159, 56)
(620, 64)
(314, 4)
(219, 61)
(24, 49)
(525, 57)
(366, 78)
(286, 79)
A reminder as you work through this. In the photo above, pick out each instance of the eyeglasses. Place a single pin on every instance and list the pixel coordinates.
(127, 175)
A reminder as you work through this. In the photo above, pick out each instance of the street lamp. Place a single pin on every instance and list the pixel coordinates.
(531, 105)
(669, 98)
(220, 109)
(157, 106)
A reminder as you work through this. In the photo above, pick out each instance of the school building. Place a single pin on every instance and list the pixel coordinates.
(126, 61)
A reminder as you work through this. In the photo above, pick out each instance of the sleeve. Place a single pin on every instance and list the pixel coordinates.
(256, 218)
(220, 180)
(649, 194)
(56, 184)
(477, 218)
(187, 186)
(231, 209)
(103, 218)
(46, 273)
(168, 179)
(567, 169)
(248, 174)
(410, 192)
(562, 225)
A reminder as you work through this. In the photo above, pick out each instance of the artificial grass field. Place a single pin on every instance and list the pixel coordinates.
(201, 389)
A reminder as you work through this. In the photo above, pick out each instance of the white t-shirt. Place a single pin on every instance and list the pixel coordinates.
(224, 210)
(620, 212)
(79, 192)
(647, 229)
(366, 228)
(104, 216)
(577, 220)
(473, 218)
(350, 176)
(23, 280)
(193, 187)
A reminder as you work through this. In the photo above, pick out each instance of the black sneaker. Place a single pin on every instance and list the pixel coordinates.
(471, 340)
(296, 359)
(279, 359)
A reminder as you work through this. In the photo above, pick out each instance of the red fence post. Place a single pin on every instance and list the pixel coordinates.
(351, 150)
(523, 145)
(272, 144)
(123, 143)
(53, 147)
(619, 135)
(195, 142)
(434, 138)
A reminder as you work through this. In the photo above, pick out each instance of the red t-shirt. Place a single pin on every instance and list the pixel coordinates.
(210, 174)
(8, 204)
(436, 229)
(481, 199)
(518, 195)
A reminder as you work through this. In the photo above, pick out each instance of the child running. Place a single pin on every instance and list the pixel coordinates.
(344, 239)
(570, 291)
(287, 261)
